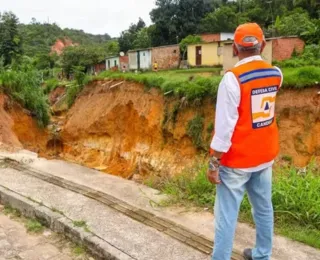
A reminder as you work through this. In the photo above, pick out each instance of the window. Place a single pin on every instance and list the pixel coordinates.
(175, 51)
(115, 63)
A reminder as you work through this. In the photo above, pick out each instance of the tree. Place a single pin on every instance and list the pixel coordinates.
(143, 39)
(190, 39)
(296, 22)
(111, 48)
(10, 40)
(174, 20)
(127, 37)
(223, 19)
(83, 56)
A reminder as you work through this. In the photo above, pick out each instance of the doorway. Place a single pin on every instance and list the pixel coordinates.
(198, 55)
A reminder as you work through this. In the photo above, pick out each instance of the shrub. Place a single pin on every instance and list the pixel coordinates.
(25, 87)
(301, 77)
(194, 130)
(50, 85)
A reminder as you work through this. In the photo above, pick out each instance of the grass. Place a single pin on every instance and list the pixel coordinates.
(33, 226)
(195, 129)
(180, 84)
(80, 223)
(300, 78)
(50, 85)
(295, 197)
(25, 87)
(79, 250)
(192, 85)
(57, 211)
(9, 211)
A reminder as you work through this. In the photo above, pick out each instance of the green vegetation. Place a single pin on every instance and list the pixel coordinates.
(79, 250)
(83, 224)
(179, 84)
(8, 210)
(80, 223)
(86, 56)
(39, 37)
(299, 78)
(25, 87)
(295, 196)
(10, 40)
(195, 129)
(50, 85)
(309, 57)
(57, 211)
(34, 226)
(75, 87)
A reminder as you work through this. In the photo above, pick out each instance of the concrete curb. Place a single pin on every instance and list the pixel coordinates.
(58, 223)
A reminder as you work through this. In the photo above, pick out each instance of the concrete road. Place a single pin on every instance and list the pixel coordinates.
(16, 243)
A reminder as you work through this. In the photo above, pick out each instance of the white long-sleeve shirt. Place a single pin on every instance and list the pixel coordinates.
(227, 115)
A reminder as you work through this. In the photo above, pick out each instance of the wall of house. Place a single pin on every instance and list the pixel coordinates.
(210, 55)
(282, 48)
(99, 67)
(145, 59)
(226, 36)
(229, 61)
(215, 37)
(133, 62)
(167, 57)
(114, 62)
(124, 63)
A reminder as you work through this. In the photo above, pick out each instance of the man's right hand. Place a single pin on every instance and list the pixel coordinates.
(213, 176)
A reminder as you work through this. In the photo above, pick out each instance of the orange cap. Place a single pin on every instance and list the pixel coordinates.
(248, 35)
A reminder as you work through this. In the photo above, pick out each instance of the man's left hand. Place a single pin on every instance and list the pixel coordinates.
(213, 176)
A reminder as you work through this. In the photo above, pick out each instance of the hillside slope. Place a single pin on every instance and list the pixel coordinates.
(130, 132)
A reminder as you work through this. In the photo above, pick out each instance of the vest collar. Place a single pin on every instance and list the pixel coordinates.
(248, 59)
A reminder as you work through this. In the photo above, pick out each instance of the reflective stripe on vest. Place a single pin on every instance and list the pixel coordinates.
(255, 139)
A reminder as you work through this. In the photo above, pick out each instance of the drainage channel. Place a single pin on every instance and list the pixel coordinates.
(168, 227)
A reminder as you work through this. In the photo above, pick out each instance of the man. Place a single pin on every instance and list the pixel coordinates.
(245, 144)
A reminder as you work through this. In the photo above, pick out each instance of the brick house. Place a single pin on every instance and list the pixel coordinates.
(167, 57)
(124, 63)
(216, 37)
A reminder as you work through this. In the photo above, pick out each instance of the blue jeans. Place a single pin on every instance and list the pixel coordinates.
(230, 193)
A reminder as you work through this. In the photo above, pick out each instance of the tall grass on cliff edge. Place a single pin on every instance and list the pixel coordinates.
(197, 87)
(190, 87)
(299, 78)
(296, 198)
(25, 87)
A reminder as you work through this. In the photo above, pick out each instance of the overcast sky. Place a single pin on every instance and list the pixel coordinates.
(94, 16)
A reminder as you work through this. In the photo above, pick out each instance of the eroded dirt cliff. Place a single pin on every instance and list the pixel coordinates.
(129, 131)
(126, 130)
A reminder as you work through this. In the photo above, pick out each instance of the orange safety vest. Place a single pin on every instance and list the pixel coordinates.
(255, 139)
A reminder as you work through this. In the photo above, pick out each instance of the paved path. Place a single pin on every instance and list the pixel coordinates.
(17, 244)
(113, 224)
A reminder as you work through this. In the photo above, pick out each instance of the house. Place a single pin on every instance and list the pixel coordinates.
(140, 59)
(217, 37)
(112, 62)
(124, 63)
(167, 57)
(206, 54)
(210, 51)
(277, 49)
(97, 68)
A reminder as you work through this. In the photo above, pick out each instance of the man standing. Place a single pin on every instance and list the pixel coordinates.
(245, 144)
